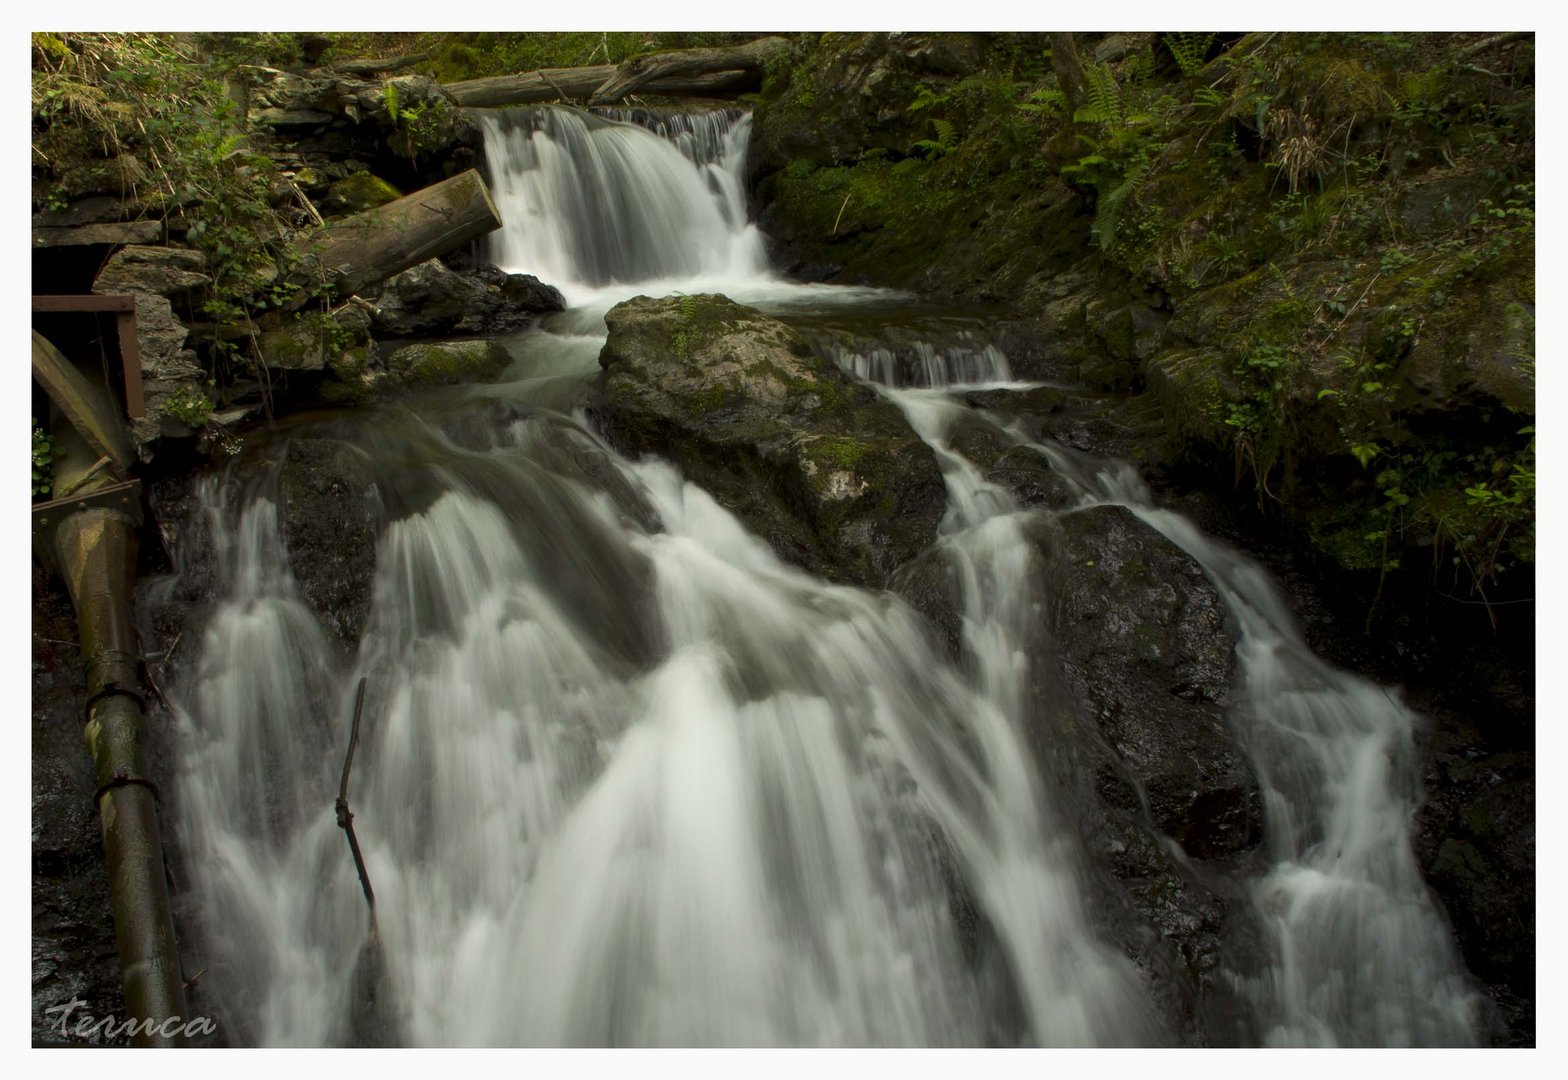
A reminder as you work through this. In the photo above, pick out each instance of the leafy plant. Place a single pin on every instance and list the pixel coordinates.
(189, 406)
(946, 139)
(153, 101)
(43, 457)
(1189, 50)
(685, 318)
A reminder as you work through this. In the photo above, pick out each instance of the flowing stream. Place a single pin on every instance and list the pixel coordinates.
(626, 778)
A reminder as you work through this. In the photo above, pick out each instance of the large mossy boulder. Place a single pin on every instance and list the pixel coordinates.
(817, 463)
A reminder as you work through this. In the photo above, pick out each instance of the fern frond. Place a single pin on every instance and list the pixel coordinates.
(1189, 49)
(1106, 104)
(1108, 208)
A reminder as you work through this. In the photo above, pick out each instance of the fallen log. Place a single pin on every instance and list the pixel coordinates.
(681, 73)
(579, 84)
(378, 67)
(359, 251)
(634, 74)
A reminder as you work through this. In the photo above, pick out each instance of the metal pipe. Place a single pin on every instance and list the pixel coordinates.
(96, 549)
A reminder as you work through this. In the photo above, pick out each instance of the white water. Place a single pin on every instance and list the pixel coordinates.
(1359, 954)
(621, 786)
(962, 364)
(593, 205)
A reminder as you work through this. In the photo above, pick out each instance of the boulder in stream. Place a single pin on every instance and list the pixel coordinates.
(817, 463)
(1150, 649)
(431, 300)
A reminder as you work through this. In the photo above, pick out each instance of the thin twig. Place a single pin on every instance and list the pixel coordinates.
(98, 466)
(345, 817)
(840, 215)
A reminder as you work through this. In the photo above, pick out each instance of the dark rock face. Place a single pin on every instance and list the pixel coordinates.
(1132, 666)
(814, 461)
(431, 300)
(330, 512)
(1147, 644)
(1475, 839)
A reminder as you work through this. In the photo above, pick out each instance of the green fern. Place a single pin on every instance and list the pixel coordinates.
(1107, 104)
(946, 139)
(1051, 101)
(1108, 207)
(683, 323)
(1189, 49)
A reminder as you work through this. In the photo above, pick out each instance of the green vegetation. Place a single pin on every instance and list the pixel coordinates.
(457, 56)
(190, 407)
(43, 456)
(154, 108)
(1339, 229)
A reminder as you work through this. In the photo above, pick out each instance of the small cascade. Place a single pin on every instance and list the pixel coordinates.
(594, 200)
(965, 362)
(1359, 954)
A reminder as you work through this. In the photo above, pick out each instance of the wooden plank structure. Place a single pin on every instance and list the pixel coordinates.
(123, 307)
(83, 402)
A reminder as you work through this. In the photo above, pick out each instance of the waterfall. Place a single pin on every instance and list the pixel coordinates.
(924, 364)
(626, 778)
(622, 197)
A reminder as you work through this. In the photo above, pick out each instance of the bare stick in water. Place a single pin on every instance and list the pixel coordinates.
(345, 818)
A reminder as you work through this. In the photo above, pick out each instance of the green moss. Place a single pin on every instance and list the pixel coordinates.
(446, 362)
(361, 191)
(834, 452)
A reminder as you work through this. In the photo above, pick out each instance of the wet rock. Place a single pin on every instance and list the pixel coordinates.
(338, 342)
(1475, 839)
(813, 460)
(430, 300)
(1021, 470)
(330, 512)
(1150, 649)
(930, 585)
(445, 363)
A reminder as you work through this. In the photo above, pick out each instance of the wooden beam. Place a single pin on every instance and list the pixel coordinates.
(85, 404)
(117, 302)
(123, 307)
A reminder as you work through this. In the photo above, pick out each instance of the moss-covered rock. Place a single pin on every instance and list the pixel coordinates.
(358, 191)
(445, 363)
(814, 461)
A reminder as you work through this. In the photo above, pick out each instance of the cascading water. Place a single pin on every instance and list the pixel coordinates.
(593, 201)
(628, 779)
(1360, 955)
